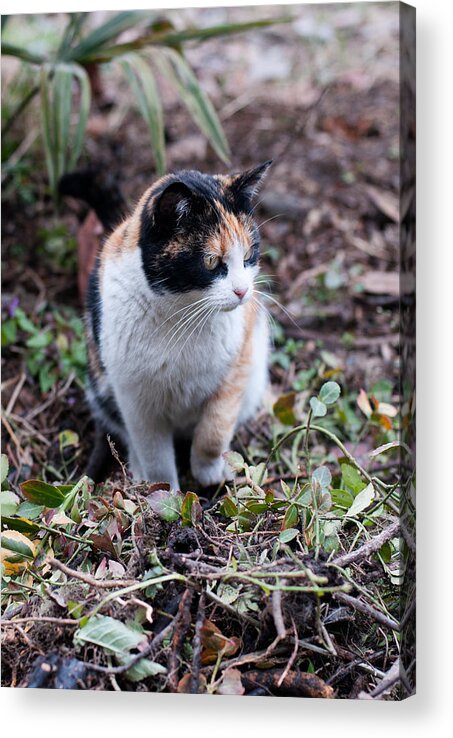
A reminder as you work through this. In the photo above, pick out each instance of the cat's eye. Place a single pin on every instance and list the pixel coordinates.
(211, 261)
(248, 254)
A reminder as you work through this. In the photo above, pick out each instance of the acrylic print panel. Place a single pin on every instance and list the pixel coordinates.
(208, 483)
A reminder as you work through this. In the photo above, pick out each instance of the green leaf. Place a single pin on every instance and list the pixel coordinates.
(351, 478)
(19, 547)
(329, 393)
(318, 408)
(166, 504)
(4, 468)
(40, 340)
(106, 32)
(322, 477)
(256, 507)
(234, 460)
(291, 517)
(9, 333)
(21, 53)
(258, 474)
(385, 552)
(227, 593)
(362, 501)
(24, 323)
(142, 669)
(30, 510)
(186, 507)
(22, 525)
(288, 535)
(56, 88)
(342, 497)
(68, 438)
(145, 90)
(46, 125)
(110, 634)
(174, 38)
(83, 113)
(42, 493)
(228, 508)
(284, 408)
(62, 95)
(176, 69)
(9, 502)
(75, 609)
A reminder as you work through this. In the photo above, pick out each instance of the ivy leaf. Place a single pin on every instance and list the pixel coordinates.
(317, 407)
(329, 393)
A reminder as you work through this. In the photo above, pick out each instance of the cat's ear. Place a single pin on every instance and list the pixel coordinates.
(248, 183)
(174, 202)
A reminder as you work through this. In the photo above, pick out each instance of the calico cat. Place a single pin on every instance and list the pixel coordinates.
(177, 344)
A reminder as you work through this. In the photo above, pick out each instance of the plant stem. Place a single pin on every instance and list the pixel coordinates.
(20, 109)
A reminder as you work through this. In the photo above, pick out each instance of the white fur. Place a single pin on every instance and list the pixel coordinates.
(165, 355)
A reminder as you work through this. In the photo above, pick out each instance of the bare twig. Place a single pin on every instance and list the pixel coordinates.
(292, 658)
(367, 610)
(43, 619)
(88, 579)
(277, 612)
(179, 634)
(196, 644)
(368, 548)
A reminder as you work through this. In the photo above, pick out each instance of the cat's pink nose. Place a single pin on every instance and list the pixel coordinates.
(240, 292)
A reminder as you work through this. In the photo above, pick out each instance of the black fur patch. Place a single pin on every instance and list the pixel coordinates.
(110, 408)
(93, 302)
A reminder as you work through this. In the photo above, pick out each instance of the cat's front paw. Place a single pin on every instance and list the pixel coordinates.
(210, 472)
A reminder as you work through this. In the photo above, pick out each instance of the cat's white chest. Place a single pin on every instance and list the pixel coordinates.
(174, 358)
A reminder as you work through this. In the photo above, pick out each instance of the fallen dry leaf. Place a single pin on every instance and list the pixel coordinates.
(386, 202)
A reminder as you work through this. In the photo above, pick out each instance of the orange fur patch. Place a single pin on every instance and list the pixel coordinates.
(232, 231)
(215, 429)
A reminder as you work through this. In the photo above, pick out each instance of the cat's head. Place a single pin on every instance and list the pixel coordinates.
(198, 237)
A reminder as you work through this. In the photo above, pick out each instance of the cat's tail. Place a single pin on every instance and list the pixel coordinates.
(99, 190)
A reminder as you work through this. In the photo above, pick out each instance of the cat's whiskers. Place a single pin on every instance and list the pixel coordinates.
(186, 318)
(184, 324)
(200, 326)
(272, 323)
(279, 305)
(186, 309)
(260, 225)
